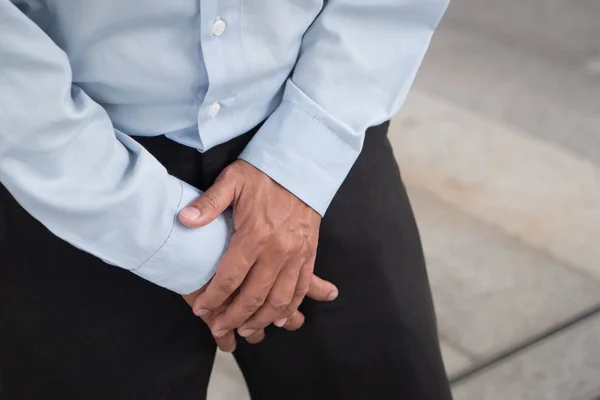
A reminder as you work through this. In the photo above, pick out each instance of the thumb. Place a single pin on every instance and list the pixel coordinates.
(322, 290)
(209, 205)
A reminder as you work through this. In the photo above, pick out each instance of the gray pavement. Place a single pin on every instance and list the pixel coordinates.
(499, 144)
(564, 367)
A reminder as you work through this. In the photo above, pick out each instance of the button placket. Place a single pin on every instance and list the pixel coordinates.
(221, 56)
(217, 29)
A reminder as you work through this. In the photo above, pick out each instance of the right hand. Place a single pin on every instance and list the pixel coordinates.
(319, 290)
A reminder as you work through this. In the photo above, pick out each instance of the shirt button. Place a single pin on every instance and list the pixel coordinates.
(219, 27)
(214, 109)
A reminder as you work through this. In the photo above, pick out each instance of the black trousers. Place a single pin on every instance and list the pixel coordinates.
(72, 327)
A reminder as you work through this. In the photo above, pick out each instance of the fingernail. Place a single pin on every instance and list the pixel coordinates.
(220, 333)
(246, 332)
(201, 312)
(333, 295)
(280, 322)
(190, 213)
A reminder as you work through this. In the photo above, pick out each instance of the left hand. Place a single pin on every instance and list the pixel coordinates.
(270, 259)
(319, 290)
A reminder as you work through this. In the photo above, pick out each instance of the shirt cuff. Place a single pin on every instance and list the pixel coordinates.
(304, 149)
(189, 257)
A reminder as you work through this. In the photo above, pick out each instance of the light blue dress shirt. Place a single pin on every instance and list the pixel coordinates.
(78, 78)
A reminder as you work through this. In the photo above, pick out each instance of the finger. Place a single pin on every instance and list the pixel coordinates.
(295, 321)
(231, 272)
(276, 303)
(322, 290)
(302, 287)
(257, 337)
(190, 298)
(251, 297)
(210, 204)
(226, 343)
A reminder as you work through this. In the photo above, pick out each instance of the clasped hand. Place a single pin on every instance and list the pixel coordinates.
(267, 269)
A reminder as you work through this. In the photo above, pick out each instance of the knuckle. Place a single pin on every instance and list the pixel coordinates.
(261, 240)
(227, 284)
(309, 253)
(255, 234)
(286, 244)
(253, 303)
(263, 233)
(212, 200)
(301, 291)
(231, 173)
(279, 303)
(234, 321)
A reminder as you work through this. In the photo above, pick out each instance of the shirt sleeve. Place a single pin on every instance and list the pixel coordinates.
(92, 186)
(356, 64)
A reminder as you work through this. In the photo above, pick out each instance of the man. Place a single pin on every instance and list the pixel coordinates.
(113, 114)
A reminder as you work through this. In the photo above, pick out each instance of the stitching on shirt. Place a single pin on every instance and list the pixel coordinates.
(168, 237)
(297, 107)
